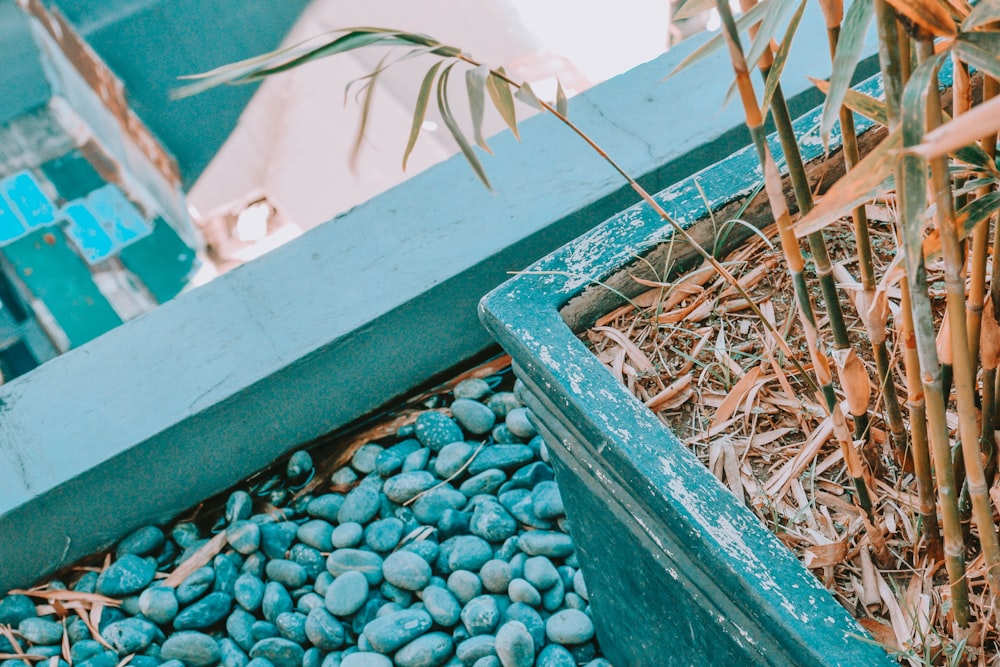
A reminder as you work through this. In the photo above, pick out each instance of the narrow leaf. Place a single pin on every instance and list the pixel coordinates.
(562, 104)
(527, 95)
(768, 27)
(499, 91)
(977, 211)
(866, 105)
(475, 85)
(962, 131)
(718, 40)
(780, 58)
(366, 107)
(854, 187)
(420, 110)
(845, 61)
(985, 11)
(456, 132)
(691, 8)
(979, 49)
(929, 16)
(833, 12)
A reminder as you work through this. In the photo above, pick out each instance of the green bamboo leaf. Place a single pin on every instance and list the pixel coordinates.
(780, 58)
(718, 40)
(527, 95)
(420, 110)
(499, 91)
(475, 85)
(977, 211)
(768, 28)
(691, 8)
(866, 105)
(979, 49)
(985, 11)
(855, 187)
(366, 107)
(845, 61)
(456, 132)
(562, 104)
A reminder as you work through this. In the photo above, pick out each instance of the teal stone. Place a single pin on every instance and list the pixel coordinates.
(368, 563)
(541, 573)
(248, 591)
(87, 583)
(309, 558)
(343, 478)
(281, 652)
(424, 548)
(125, 576)
(316, 534)
(395, 595)
(431, 506)
(130, 635)
(430, 650)
(347, 535)
(435, 430)
(492, 522)
(364, 459)
(417, 460)
(496, 575)
(405, 486)
(185, 534)
(390, 460)
(472, 388)
(84, 650)
(390, 632)
(568, 627)
(313, 657)
(264, 630)
(239, 506)
(204, 613)
(309, 601)
(260, 662)
(442, 605)
(347, 593)
(555, 655)
(501, 403)
(466, 552)
(323, 630)
(531, 475)
(501, 456)
(488, 481)
(292, 626)
(325, 507)
(300, 465)
(360, 505)
(546, 543)
(554, 598)
(473, 416)
(546, 501)
(254, 565)
(519, 503)
(521, 590)
(195, 585)
(514, 645)
(580, 586)
(502, 435)
(530, 618)
(481, 615)
(287, 573)
(227, 570)
(276, 600)
(474, 648)
(519, 424)
(194, 649)
(103, 659)
(464, 585)
(365, 659)
(451, 459)
(141, 542)
(406, 570)
(243, 536)
(41, 631)
(239, 627)
(232, 655)
(384, 535)
(574, 601)
(277, 538)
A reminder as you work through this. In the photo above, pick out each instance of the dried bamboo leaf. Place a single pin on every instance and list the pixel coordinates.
(691, 8)
(527, 95)
(665, 398)
(853, 379)
(766, 30)
(203, 556)
(969, 127)
(475, 84)
(989, 337)
(825, 555)
(985, 11)
(930, 17)
(780, 58)
(866, 105)
(980, 50)
(735, 396)
(634, 353)
(562, 103)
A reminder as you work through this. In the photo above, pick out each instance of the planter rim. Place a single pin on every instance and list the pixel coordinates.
(524, 315)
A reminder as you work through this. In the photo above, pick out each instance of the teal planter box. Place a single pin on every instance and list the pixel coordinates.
(678, 570)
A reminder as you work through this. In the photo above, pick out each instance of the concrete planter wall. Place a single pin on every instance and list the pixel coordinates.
(679, 571)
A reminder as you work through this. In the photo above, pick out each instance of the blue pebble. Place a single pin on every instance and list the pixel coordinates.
(555, 655)
(300, 464)
(496, 575)
(390, 460)
(264, 630)
(248, 591)
(492, 522)
(309, 558)
(195, 585)
(41, 631)
(130, 635)
(546, 501)
(87, 583)
(546, 543)
(384, 535)
(569, 627)
(194, 649)
(227, 570)
(451, 459)
(474, 388)
(488, 481)
(442, 605)
(368, 563)
(417, 460)
(452, 524)
(364, 459)
(186, 534)
(277, 538)
(239, 627)
(465, 552)
(232, 655)
(481, 615)
(102, 659)
(347, 593)
(405, 486)
(323, 630)
(276, 600)
(514, 645)
(435, 430)
(141, 542)
(501, 456)
(281, 652)
(395, 595)
(390, 632)
(432, 648)
(239, 506)
(360, 505)
(325, 507)
(313, 657)
(474, 648)
(243, 536)
(473, 416)
(84, 650)
(530, 618)
(205, 612)
(502, 402)
(366, 659)
(127, 575)
(406, 570)
(464, 585)
(541, 573)
(254, 565)
(292, 626)
(527, 477)
(429, 508)
(554, 598)
(424, 548)
(519, 423)
(259, 662)
(521, 590)
(502, 435)
(288, 573)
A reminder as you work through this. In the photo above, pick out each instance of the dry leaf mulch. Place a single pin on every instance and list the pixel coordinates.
(693, 352)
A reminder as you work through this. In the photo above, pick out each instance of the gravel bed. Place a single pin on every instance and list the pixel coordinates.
(442, 544)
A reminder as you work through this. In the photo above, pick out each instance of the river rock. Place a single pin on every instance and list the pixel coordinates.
(347, 593)
(473, 416)
(406, 485)
(548, 543)
(501, 456)
(281, 652)
(316, 534)
(127, 575)
(568, 627)
(194, 649)
(391, 631)
(360, 505)
(435, 430)
(428, 650)
(141, 542)
(481, 615)
(514, 645)
(205, 612)
(367, 563)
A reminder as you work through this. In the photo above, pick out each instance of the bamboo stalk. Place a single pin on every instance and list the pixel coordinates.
(793, 257)
(922, 318)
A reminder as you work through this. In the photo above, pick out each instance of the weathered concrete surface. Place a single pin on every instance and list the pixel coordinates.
(183, 402)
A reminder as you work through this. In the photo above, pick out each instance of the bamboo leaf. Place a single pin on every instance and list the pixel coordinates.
(845, 61)
(928, 16)
(833, 12)
(717, 41)
(456, 132)
(499, 91)
(527, 95)
(780, 58)
(979, 49)
(985, 11)
(475, 84)
(960, 132)
(420, 110)
(562, 104)
(977, 211)
(768, 27)
(854, 187)
(866, 105)
(691, 8)
(366, 107)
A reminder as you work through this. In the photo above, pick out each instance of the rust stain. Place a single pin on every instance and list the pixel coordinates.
(103, 82)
